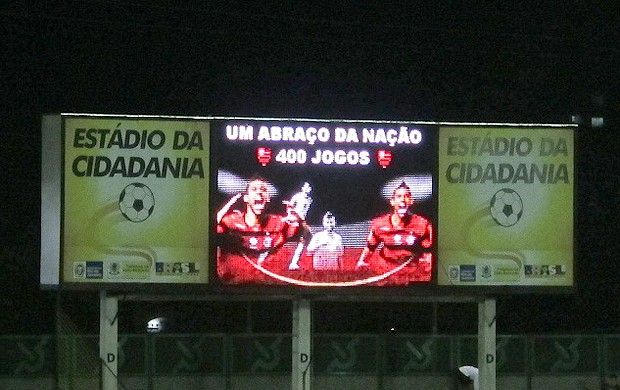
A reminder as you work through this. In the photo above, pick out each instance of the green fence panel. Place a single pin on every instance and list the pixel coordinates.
(417, 354)
(511, 353)
(262, 354)
(345, 354)
(169, 354)
(30, 356)
(612, 354)
(467, 351)
(86, 362)
(566, 355)
(182, 354)
(132, 355)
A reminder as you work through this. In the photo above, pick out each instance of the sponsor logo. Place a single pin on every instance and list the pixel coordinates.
(94, 270)
(79, 269)
(467, 273)
(487, 271)
(114, 268)
(544, 271)
(176, 268)
(453, 272)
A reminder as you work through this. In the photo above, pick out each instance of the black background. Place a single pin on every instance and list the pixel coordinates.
(467, 62)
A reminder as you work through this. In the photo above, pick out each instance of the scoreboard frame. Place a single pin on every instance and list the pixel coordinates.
(450, 168)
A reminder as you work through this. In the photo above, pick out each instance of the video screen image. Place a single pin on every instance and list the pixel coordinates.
(324, 204)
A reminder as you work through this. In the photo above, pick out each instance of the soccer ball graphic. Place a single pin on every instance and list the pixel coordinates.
(136, 202)
(506, 207)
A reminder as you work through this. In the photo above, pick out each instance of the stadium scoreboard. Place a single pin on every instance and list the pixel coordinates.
(306, 204)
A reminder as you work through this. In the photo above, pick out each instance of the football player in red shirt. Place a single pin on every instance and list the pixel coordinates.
(251, 235)
(401, 237)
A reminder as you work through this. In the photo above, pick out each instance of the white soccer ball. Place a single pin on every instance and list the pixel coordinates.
(136, 202)
(506, 207)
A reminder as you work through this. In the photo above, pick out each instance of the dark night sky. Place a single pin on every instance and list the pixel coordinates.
(338, 59)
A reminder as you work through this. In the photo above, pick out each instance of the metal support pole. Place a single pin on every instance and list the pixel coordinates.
(108, 340)
(302, 344)
(487, 344)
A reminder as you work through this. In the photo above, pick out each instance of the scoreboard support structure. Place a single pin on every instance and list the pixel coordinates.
(487, 337)
(117, 192)
(302, 344)
(301, 375)
(108, 340)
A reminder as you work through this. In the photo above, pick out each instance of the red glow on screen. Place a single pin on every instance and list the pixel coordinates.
(275, 269)
(304, 205)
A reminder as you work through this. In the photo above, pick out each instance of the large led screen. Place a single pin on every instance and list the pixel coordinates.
(331, 203)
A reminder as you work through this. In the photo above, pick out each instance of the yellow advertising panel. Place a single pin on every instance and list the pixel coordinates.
(506, 198)
(135, 200)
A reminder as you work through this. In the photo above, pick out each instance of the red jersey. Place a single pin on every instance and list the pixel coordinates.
(270, 234)
(241, 243)
(400, 243)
